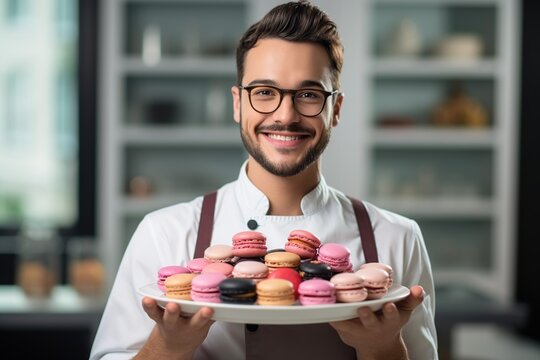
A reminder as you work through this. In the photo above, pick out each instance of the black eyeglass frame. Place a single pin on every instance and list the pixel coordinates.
(282, 93)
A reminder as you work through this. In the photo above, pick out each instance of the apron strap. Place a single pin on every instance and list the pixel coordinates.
(206, 224)
(366, 230)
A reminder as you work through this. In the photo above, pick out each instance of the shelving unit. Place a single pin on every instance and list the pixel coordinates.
(457, 182)
(166, 109)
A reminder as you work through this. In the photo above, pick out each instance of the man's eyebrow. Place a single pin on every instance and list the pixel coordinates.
(303, 84)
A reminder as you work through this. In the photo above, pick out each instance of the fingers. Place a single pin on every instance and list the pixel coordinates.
(201, 317)
(414, 299)
(151, 308)
(171, 314)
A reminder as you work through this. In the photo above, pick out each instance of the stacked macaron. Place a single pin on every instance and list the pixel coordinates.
(306, 272)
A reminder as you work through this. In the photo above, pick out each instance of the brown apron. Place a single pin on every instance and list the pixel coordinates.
(311, 341)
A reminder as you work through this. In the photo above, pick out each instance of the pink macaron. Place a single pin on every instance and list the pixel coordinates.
(380, 265)
(317, 292)
(166, 271)
(336, 256)
(205, 287)
(249, 244)
(196, 265)
(303, 243)
(218, 267)
(219, 253)
(349, 287)
(375, 281)
(254, 270)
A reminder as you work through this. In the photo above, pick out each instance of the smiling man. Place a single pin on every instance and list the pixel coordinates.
(287, 101)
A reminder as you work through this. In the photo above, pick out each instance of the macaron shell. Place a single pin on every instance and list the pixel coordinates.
(205, 287)
(218, 267)
(250, 269)
(303, 243)
(317, 292)
(166, 271)
(383, 266)
(275, 292)
(335, 255)
(179, 286)
(238, 291)
(218, 253)
(196, 265)
(290, 275)
(282, 259)
(351, 295)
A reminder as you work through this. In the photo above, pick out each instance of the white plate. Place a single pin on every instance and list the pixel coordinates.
(292, 314)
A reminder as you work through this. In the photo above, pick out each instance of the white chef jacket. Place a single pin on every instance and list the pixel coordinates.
(168, 237)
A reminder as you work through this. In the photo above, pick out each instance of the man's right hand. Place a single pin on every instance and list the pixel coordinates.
(175, 336)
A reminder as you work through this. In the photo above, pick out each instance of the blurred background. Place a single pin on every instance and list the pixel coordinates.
(111, 109)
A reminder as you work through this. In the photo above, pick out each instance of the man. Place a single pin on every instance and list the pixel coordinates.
(286, 103)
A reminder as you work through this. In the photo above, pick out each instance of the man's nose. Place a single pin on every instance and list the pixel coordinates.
(285, 112)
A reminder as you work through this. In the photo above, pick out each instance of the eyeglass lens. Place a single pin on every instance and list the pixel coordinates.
(307, 102)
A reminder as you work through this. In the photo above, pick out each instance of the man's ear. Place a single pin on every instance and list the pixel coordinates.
(235, 91)
(337, 109)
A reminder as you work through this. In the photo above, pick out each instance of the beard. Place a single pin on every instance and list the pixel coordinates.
(282, 169)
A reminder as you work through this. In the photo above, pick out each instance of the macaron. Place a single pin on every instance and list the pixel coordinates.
(250, 270)
(288, 274)
(249, 244)
(335, 255)
(281, 259)
(303, 243)
(218, 267)
(179, 286)
(383, 266)
(219, 253)
(375, 281)
(238, 291)
(276, 292)
(166, 271)
(313, 269)
(349, 287)
(205, 287)
(317, 292)
(196, 265)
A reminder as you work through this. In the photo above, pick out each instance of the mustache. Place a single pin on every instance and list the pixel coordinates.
(285, 128)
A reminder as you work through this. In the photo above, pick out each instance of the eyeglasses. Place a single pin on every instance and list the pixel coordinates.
(266, 99)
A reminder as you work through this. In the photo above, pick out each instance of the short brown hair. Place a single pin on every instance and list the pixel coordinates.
(299, 22)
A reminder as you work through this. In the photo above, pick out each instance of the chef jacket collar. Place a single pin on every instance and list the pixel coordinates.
(256, 203)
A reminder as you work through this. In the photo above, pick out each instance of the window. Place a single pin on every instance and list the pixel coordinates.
(47, 117)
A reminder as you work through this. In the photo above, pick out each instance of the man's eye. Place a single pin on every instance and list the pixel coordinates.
(309, 94)
(264, 92)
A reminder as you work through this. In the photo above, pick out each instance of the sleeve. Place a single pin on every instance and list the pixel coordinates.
(124, 326)
(419, 333)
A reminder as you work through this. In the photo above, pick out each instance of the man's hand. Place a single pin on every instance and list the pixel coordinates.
(174, 336)
(377, 335)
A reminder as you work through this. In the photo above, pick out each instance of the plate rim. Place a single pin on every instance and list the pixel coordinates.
(324, 313)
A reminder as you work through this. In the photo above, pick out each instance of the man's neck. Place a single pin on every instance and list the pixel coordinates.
(284, 193)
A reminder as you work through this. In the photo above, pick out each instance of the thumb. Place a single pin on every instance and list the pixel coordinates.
(414, 299)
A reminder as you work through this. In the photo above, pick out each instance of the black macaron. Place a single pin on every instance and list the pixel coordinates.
(311, 270)
(238, 291)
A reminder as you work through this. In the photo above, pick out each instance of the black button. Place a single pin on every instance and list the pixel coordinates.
(252, 327)
(252, 224)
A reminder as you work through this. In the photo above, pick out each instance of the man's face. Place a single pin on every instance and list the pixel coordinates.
(285, 142)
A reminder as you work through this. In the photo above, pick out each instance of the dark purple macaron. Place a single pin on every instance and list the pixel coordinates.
(311, 270)
(238, 291)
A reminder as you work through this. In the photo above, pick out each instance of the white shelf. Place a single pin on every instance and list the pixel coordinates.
(416, 137)
(181, 66)
(435, 68)
(439, 207)
(209, 136)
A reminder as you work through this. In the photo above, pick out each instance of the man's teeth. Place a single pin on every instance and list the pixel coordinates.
(283, 137)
